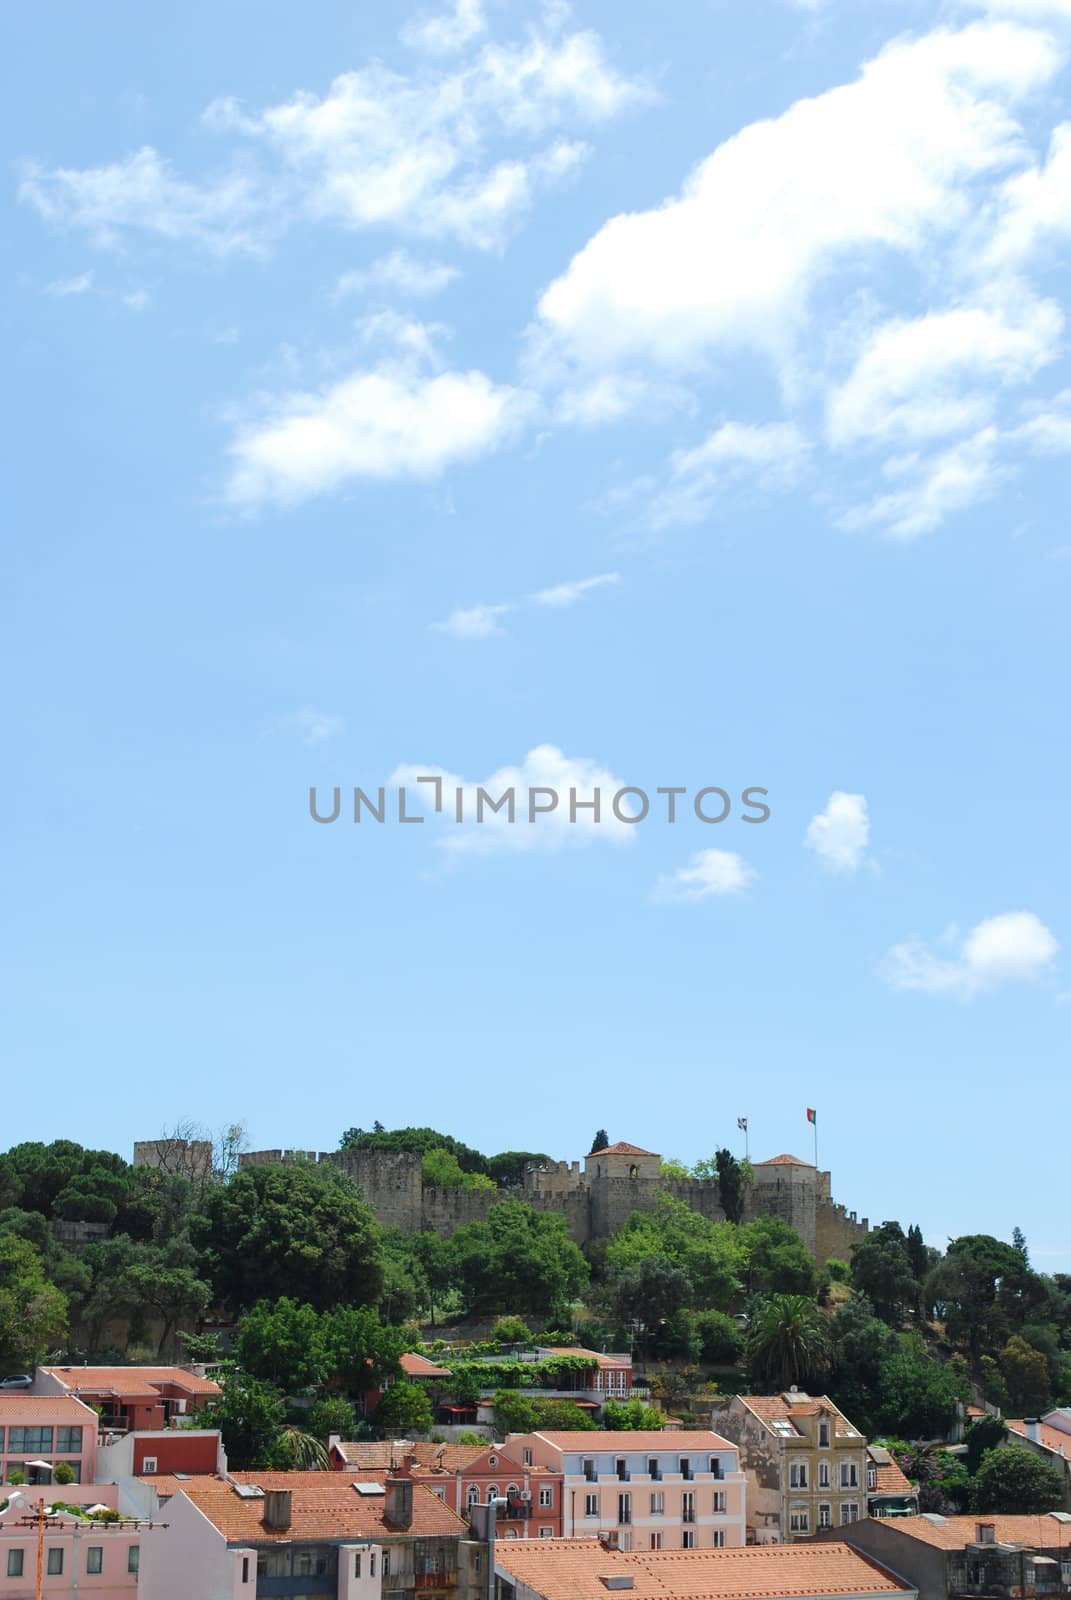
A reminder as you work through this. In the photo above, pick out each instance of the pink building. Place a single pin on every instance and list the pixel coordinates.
(644, 1491)
(39, 1431)
(76, 1555)
(132, 1398)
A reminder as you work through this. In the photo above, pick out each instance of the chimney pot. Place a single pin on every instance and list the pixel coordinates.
(277, 1509)
(398, 1507)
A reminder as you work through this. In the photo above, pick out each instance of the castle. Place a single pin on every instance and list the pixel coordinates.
(596, 1200)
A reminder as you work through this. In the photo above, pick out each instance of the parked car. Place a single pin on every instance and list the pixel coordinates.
(18, 1380)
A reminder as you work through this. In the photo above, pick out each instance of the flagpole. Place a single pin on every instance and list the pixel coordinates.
(815, 1126)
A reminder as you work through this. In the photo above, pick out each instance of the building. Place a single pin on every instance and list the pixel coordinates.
(646, 1490)
(889, 1492)
(138, 1399)
(37, 1432)
(945, 1558)
(463, 1476)
(79, 1555)
(806, 1464)
(361, 1536)
(587, 1569)
(1049, 1437)
(141, 1454)
(596, 1200)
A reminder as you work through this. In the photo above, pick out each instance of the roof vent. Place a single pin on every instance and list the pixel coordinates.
(934, 1518)
(616, 1580)
(248, 1491)
(369, 1488)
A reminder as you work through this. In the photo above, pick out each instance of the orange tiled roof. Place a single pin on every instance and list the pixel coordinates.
(784, 1161)
(775, 1408)
(891, 1480)
(605, 1440)
(325, 1505)
(623, 1149)
(414, 1365)
(955, 1533)
(380, 1454)
(131, 1380)
(1054, 1439)
(573, 1569)
(52, 1405)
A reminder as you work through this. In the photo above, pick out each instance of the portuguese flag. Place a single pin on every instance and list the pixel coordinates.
(812, 1116)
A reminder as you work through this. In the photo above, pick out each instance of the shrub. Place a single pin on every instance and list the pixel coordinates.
(511, 1330)
(63, 1473)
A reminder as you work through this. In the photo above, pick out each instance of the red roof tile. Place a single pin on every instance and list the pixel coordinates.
(131, 1380)
(324, 1505)
(1054, 1439)
(955, 1533)
(623, 1149)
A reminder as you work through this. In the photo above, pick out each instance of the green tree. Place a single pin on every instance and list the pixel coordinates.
(33, 1312)
(720, 1340)
(299, 1230)
(563, 1416)
(441, 1169)
(282, 1343)
(631, 1416)
(881, 1269)
(1026, 1373)
(712, 1255)
(404, 1410)
(1014, 1481)
(361, 1352)
(974, 1285)
(787, 1341)
(297, 1451)
(250, 1416)
(731, 1185)
(601, 1141)
(985, 1433)
(860, 1345)
(333, 1415)
(778, 1260)
(509, 1167)
(511, 1330)
(918, 1395)
(173, 1292)
(416, 1140)
(519, 1261)
(647, 1296)
(514, 1413)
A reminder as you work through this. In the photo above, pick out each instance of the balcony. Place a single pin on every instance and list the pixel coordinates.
(423, 1581)
(688, 1514)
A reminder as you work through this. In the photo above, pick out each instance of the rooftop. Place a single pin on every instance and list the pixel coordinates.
(324, 1505)
(60, 1407)
(890, 1478)
(1057, 1439)
(784, 1161)
(1046, 1532)
(793, 1403)
(414, 1365)
(146, 1381)
(381, 1454)
(623, 1149)
(624, 1443)
(575, 1569)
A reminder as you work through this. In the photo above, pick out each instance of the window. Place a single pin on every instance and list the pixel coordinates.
(624, 1541)
(148, 1465)
(589, 1470)
(849, 1475)
(823, 1435)
(492, 1461)
(513, 1491)
(871, 1478)
(622, 1469)
(372, 1565)
(797, 1475)
(54, 1564)
(656, 1541)
(686, 1468)
(718, 1538)
(68, 1441)
(95, 1558)
(31, 1440)
(825, 1516)
(624, 1508)
(849, 1512)
(591, 1505)
(799, 1520)
(688, 1539)
(823, 1474)
(715, 1467)
(528, 1458)
(386, 1563)
(1, 1441)
(14, 1563)
(688, 1507)
(719, 1502)
(132, 1560)
(658, 1503)
(546, 1533)
(492, 1492)
(245, 1568)
(546, 1495)
(356, 1566)
(473, 1496)
(654, 1469)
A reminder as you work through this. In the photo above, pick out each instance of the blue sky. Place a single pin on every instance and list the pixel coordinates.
(649, 396)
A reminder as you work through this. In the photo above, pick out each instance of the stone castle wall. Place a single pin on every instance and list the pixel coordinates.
(594, 1204)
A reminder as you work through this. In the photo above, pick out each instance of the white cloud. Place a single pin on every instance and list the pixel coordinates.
(142, 194)
(136, 299)
(474, 622)
(1015, 947)
(885, 162)
(401, 272)
(67, 286)
(1034, 205)
(394, 420)
(841, 832)
(1048, 431)
(937, 373)
(545, 767)
(769, 454)
(312, 727)
(709, 873)
(937, 487)
(567, 594)
(1030, 10)
(447, 31)
(606, 398)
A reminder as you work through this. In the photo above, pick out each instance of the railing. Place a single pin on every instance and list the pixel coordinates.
(435, 1580)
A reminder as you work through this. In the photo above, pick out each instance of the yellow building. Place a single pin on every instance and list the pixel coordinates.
(805, 1463)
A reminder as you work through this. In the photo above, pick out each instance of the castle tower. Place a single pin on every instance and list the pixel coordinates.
(622, 1178)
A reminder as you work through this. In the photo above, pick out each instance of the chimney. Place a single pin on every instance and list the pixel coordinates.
(1033, 1429)
(398, 1509)
(277, 1510)
(409, 1462)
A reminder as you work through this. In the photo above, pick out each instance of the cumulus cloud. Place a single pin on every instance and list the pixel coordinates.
(1035, 205)
(884, 163)
(62, 287)
(767, 455)
(400, 273)
(443, 32)
(710, 873)
(841, 832)
(934, 487)
(1015, 947)
(571, 780)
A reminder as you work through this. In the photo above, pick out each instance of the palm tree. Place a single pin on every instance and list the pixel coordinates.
(304, 1452)
(787, 1340)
